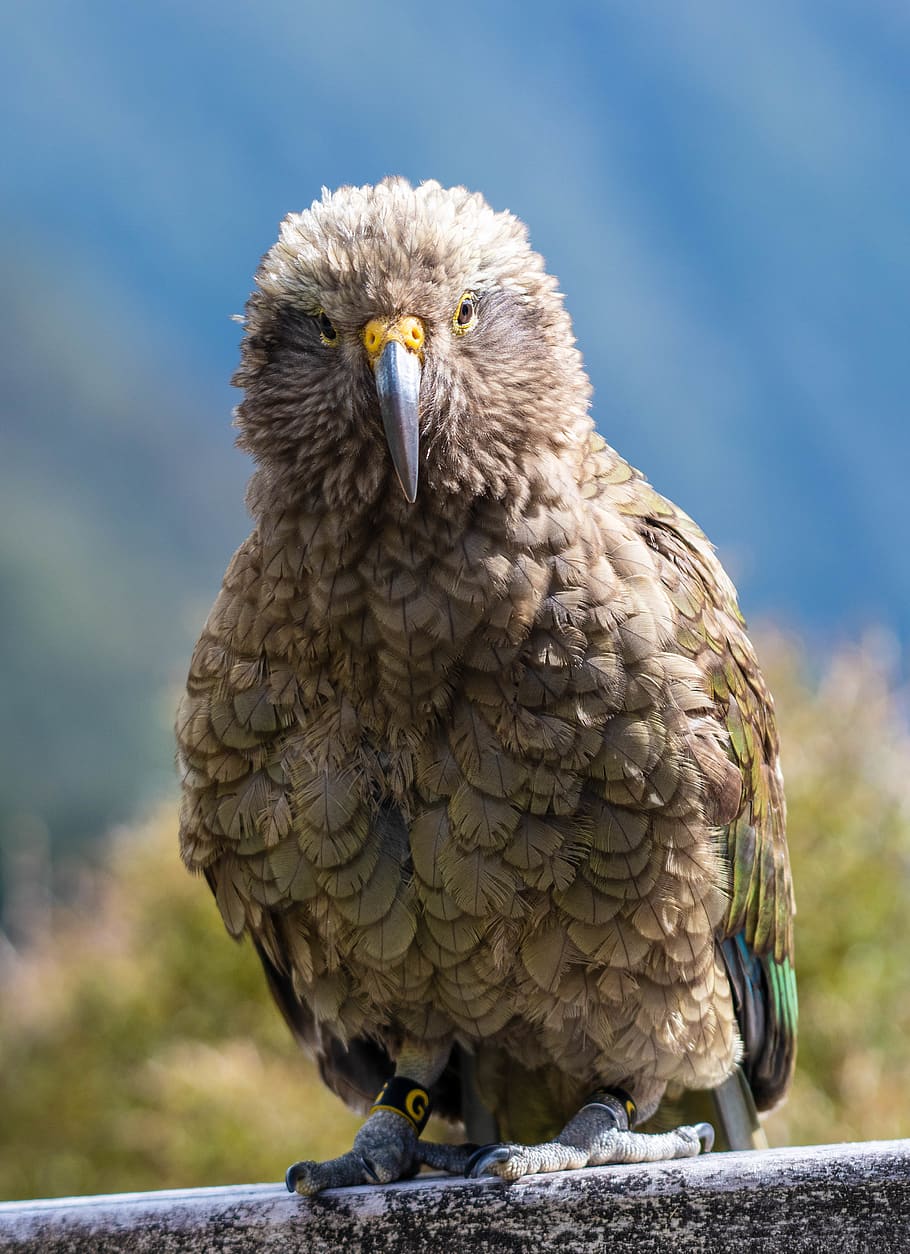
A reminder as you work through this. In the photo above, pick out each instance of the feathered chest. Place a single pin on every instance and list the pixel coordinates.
(468, 764)
(517, 641)
(392, 613)
(491, 774)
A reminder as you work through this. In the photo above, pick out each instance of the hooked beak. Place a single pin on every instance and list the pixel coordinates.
(396, 358)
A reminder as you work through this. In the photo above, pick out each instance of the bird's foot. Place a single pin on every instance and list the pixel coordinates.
(385, 1149)
(511, 1162)
(598, 1135)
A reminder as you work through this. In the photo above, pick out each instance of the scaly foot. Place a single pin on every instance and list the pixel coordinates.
(598, 1135)
(387, 1147)
(384, 1150)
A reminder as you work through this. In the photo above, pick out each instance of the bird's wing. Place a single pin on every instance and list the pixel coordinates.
(244, 700)
(235, 810)
(236, 821)
(756, 935)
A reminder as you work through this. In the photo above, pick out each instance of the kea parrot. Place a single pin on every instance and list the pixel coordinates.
(474, 746)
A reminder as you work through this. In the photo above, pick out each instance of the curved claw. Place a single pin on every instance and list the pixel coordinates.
(481, 1159)
(370, 1171)
(705, 1134)
(298, 1173)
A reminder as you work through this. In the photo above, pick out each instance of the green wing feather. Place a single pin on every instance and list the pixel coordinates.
(757, 934)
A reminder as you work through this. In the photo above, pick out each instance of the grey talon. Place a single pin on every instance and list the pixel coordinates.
(494, 1154)
(292, 1175)
(479, 1154)
(370, 1171)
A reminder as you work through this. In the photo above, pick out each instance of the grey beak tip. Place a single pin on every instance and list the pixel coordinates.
(397, 375)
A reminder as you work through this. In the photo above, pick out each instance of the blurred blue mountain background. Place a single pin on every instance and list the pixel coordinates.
(722, 189)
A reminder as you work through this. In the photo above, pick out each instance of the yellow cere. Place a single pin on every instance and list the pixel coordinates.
(406, 330)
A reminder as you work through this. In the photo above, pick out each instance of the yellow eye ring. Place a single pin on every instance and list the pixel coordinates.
(327, 332)
(465, 314)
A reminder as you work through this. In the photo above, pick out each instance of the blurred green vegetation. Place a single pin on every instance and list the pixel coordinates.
(139, 1047)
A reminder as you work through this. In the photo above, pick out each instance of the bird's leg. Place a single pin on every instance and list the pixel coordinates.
(387, 1147)
(599, 1134)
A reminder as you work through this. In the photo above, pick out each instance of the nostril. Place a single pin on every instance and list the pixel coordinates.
(372, 337)
(413, 333)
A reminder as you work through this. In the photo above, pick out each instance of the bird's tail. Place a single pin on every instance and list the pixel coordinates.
(729, 1108)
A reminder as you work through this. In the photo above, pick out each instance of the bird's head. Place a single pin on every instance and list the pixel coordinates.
(407, 340)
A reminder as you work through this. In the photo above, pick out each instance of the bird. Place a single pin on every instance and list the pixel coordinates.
(474, 745)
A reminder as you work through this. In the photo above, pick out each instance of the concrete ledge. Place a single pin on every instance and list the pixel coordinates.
(828, 1197)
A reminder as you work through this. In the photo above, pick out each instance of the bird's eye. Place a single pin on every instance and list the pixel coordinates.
(327, 332)
(466, 314)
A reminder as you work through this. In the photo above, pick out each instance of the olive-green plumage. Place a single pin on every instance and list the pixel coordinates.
(495, 769)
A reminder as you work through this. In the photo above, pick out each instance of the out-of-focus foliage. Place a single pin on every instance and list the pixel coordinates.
(139, 1048)
(846, 757)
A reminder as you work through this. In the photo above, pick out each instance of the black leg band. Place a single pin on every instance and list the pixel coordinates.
(616, 1100)
(406, 1098)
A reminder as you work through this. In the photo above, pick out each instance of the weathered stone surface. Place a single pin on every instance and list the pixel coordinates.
(830, 1197)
